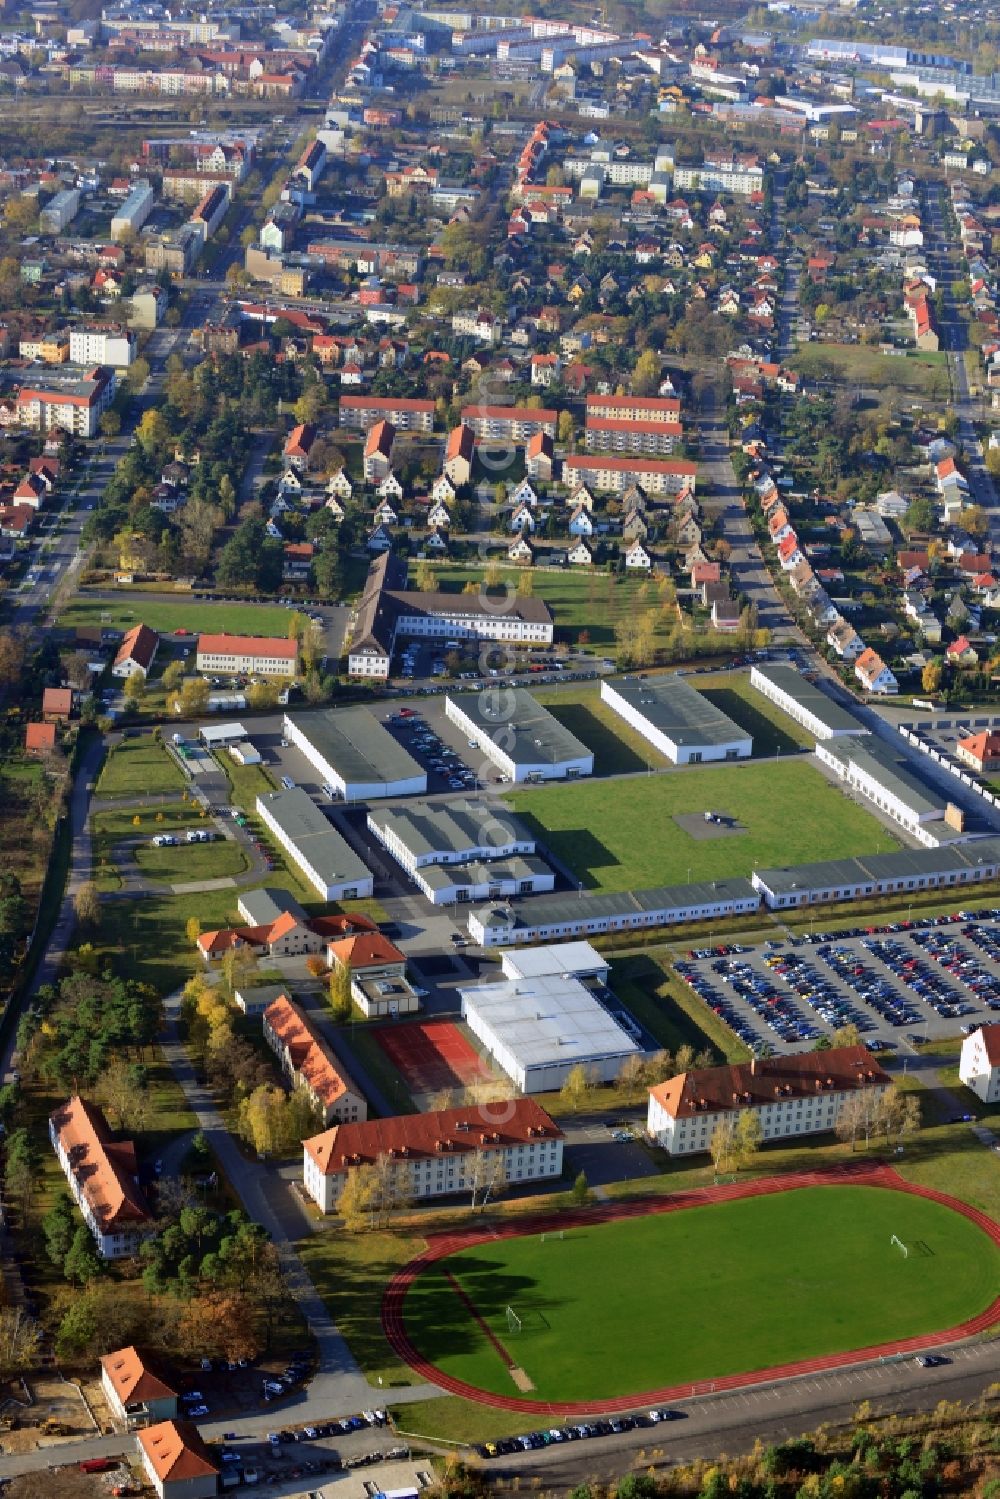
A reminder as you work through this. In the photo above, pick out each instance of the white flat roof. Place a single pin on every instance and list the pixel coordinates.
(547, 1021)
(561, 957)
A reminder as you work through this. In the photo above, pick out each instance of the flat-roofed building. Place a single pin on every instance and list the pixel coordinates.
(103, 1176)
(907, 870)
(792, 1096)
(676, 719)
(438, 1154)
(518, 735)
(556, 918)
(323, 855)
(355, 754)
(424, 833)
(804, 701)
(551, 1012)
(481, 879)
(308, 1062)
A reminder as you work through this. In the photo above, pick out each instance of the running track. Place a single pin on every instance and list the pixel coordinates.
(860, 1174)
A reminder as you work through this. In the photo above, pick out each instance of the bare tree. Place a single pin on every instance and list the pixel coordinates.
(724, 1145)
(486, 1176)
(20, 1341)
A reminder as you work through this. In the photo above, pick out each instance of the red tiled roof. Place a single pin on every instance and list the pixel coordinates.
(451, 1131)
(131, 1380)
(139, 645)
(40, 736)
(176, 1451)
(717, 1089)
(58, 700)
(320, 1070)
(984, 746)
(248, 645)
(365, 950)
(104, 1170)
(991, 1041)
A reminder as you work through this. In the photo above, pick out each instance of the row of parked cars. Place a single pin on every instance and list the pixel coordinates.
(917, 976)
(870, 986)
(964, 968)
(777, 1011)
(727, 1011)
(440, 757)
(535, 1439)
(819, 993)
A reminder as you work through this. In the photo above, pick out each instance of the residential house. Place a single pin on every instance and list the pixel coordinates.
(40, 738)
(298, 446)
(57, 704)
(136, 653)
(521, 518)
(521, 551)
(378, 451)
(581, 554)
(177, 1461)
(873, 674)
(136, 1395)
(637, 559)
(103, 1177)
(845, 640)
(308, 1062)
(580, 523)
(539, 454)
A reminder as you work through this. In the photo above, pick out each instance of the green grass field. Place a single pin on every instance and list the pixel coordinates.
(629, 840)
(128, 609)
(774, 733)
(730, 1287)
(139, 767)
(618, 749)
(919, 374)
(190, 861)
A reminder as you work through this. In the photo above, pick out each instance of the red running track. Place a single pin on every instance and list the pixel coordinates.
(860, 1174)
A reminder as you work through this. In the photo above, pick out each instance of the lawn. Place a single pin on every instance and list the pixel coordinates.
(618, 749)
(350, 1272)
(128, 609)
(918, 374)
(191, 861)
(774, 733)
(592, 602)
(139, 767)
(146, 937)
(743, 1285)
(629, 840)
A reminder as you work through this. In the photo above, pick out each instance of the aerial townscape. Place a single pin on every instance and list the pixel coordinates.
(500, 749)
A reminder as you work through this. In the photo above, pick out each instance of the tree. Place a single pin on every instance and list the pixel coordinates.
(486, 1176)
(173, 675)
(87, 904)
(565, 427)
(192, 929)
(20, 1341)
(931, 676)
(58, 1226)
(632, 1077)
(82, 1263)
(897, 1115)
(192, 699)
(646, 375)
(857, 1117)
(975, 520)
(357, 1198)
(124, 1093)
(725, 1145)
(260, 1119)
(78, 1328)
(580, 1192)
(263, 694)
(340, 992)
(110, 424)
(134, 690)
(575, 1088)
(749, 1136)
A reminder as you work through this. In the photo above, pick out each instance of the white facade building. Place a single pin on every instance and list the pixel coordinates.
(134, 212)
(979, 1063)
(676, 720)
(518, 735)
(325, 858)
(111, 346)
(354, 754)
(802, 700)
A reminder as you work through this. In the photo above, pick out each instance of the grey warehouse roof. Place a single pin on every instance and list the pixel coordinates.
(555, 910)
(303, 824)
(426, 827)
(358, 747)
(812, 698)
(875, 759)
(480, 872)
(529, 733)
(673, 706)
(908, 863)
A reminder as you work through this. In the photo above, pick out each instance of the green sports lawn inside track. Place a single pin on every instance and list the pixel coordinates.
(671, 1298)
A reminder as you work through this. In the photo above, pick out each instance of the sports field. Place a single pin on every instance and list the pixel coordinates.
(665, 1299)
(432, 1055)
(625, 837)
(166, 615)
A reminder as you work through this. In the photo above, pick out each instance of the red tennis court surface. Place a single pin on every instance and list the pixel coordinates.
(432, 1056)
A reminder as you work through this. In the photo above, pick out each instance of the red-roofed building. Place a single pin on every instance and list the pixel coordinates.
(298, 445)
(179, 1464)
(57, 704)
(247, 655)
(103, 1177)
(794, 1095)
(981, 751)
(378, 452)
(979, 1063)
(434, 1153)
(459, 454)
(136, 652)
(135, 1395)
(308, 1063)
(40, 738)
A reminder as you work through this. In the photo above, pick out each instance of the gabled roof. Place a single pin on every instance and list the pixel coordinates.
(176, 1451)
(991, 1041)
(416, 1136)
(809, 1074)
(139, 645)
(309, 1055)
(104, 1170)
(133, 1382)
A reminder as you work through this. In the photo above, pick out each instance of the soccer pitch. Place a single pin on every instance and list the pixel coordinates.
(623, 836)
(670, 1298)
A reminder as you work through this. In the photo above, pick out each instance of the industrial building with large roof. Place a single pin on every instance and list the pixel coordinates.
(355, 754)
(802, 700)
(418, 833)
(550, 1013)
(676, 719)
(326, 859)
(522, 739)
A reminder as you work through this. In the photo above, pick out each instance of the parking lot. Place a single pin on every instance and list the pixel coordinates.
(899, 985)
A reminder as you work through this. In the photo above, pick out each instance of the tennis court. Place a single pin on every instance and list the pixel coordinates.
(432, 1055)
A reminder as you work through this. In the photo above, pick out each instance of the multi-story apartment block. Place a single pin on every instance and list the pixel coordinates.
(610, 434)
(114, 346)
(509, 423)
(653, 475)
(74, 406)
(247, 655)
(134, 212)
(308, 1063)
(795, 1095)
(103, 1177)
(405, 415)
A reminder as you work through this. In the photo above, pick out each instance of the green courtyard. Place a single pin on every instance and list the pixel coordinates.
(724, 1289)
(625, 837)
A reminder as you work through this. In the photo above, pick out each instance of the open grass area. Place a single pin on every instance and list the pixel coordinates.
(746, 1285)
(652, 997)
(139, 767)
(191, 861)
(918, 374)
(147, 940)
(774, 733)
(124, 610)
(350, 1272)
(618, 749)
(246, 782)
(629, 840)
(360, 1044)
(595, 602)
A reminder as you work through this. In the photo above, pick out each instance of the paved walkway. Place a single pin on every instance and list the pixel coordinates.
(339, 1387)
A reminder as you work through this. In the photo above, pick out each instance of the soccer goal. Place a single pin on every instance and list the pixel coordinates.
(900, 1246)
(513, 1320)
(560, 1234)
